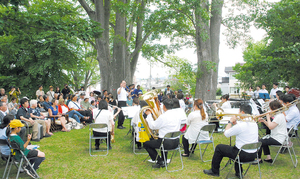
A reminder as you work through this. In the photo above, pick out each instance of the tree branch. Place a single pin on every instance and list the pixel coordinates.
(139, 45)
(91, 42)
(112, 25)
(87, 8)
(188, 16)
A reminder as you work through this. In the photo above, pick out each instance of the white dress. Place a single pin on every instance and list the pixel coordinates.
(195, 123)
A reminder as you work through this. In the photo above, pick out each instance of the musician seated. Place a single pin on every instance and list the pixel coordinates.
(292, 115)
(103, 115)
(165, 123)
(224, 104)
(136, 120)
(196, 120)
(246, 132)
(278, 131)
(179, 111)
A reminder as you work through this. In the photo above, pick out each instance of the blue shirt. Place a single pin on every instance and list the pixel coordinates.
(35, 111)
(46, 105)
(136, 93)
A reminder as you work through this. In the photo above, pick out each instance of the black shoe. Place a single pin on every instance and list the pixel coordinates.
(269, 161)
(36, 140)
(210, 172)
(109, 148)
(121, 127)
(237, 175)
(96, 147)
(139, 147)
(158, 165)
(47, 135)
(185, 155)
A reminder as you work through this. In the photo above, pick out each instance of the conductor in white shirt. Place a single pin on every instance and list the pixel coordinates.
(122, 99)
(165, 123)
(245, 132)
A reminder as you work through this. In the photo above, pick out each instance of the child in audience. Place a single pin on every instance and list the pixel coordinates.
(15, 126)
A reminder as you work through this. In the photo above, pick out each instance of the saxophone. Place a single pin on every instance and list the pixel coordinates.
(151, 98)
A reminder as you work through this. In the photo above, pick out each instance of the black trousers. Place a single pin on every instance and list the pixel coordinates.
(265, 145)
(217, 123)
(185, 144)
(101, 134)
(121, 115)
(87, 113)
(152, 145)
(231, 152)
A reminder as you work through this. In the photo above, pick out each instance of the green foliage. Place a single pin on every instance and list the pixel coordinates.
(40, 42)
(277, 60)
(182, 75)
(219, 92)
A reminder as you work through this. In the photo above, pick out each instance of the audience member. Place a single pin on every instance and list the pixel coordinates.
(73, 105)
(55, 115)
(46, 103)
(13, 106)
(57, 90)
(50, 93)
(4, 132)
(65, 91)
(14, 93)
(39, 92)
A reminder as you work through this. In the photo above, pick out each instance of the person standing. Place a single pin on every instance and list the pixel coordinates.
(50, 93)
(65, 91)
(14, 93)
(39, 92)
(122, 99)
(273, 90)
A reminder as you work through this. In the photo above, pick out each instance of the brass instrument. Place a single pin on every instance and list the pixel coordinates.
(254, 118)
(151, 98)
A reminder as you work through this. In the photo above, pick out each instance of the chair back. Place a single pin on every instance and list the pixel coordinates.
(172, 135)
(94, 125)
(4, 142)
(252, 146)
(15, 146)
(208, 127)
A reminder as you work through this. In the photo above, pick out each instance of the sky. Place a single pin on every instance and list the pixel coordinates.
(228, 57)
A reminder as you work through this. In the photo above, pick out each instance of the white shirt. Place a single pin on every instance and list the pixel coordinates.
(51, 95)
(279, 133)
(195, 123)
(179, 112)
(250, 93)
(165, 123)
(74, 105)
(273, 92)
(123, 94)
(256, 93)
(64, 109)
(292, 117)
(182, 104)
(245, 132)
(263, 91)
(105, 117)
(226, 105)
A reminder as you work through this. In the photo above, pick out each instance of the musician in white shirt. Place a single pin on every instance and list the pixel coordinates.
(122, 99)
(250, 92)
(256, 92)
(246, 133)
(225, 104)
(165, 123)
(292, 115)
(273, 90)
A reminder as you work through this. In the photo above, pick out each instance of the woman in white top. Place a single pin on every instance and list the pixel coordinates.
(103, 115)
(278, 131)
(196, 120)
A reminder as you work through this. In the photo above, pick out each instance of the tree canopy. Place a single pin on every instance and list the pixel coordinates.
(276, 58)
(39, 40)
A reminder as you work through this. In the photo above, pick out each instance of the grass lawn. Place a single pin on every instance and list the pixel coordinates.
(67, 156)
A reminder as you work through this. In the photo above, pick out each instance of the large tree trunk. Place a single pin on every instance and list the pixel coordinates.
(215, 27)
(208, 50)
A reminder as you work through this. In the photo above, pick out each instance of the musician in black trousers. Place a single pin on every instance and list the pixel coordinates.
(122, 98)
(165, 123)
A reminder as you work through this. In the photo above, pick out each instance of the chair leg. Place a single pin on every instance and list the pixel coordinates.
(20, 165)
(9, 168)
(296, 161)
(276, 155)
(230, 168)
(6, 166)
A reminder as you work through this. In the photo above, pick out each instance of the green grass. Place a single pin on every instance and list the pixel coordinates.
(67, 156)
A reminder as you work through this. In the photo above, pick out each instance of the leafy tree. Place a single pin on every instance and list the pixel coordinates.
(40, 41)
(275, 59)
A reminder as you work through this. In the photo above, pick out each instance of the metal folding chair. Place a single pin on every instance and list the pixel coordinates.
(8, 158)
(91, 136)
(295, 135)
(210, 129)
(287, 144)
(15, 147)
(171, 136)
(252, 146)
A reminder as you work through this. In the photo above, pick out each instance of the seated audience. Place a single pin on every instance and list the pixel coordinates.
(24, 115)
(36, 114)
(4, 132)
(55, 115)
(85, 104)
(46, 102)
(13, 106)
(73, 105)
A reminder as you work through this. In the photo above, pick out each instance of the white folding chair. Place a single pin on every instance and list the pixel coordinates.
(252, 146)
(171, 136)
(92, 137)
(210, 129)
(287, 144)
